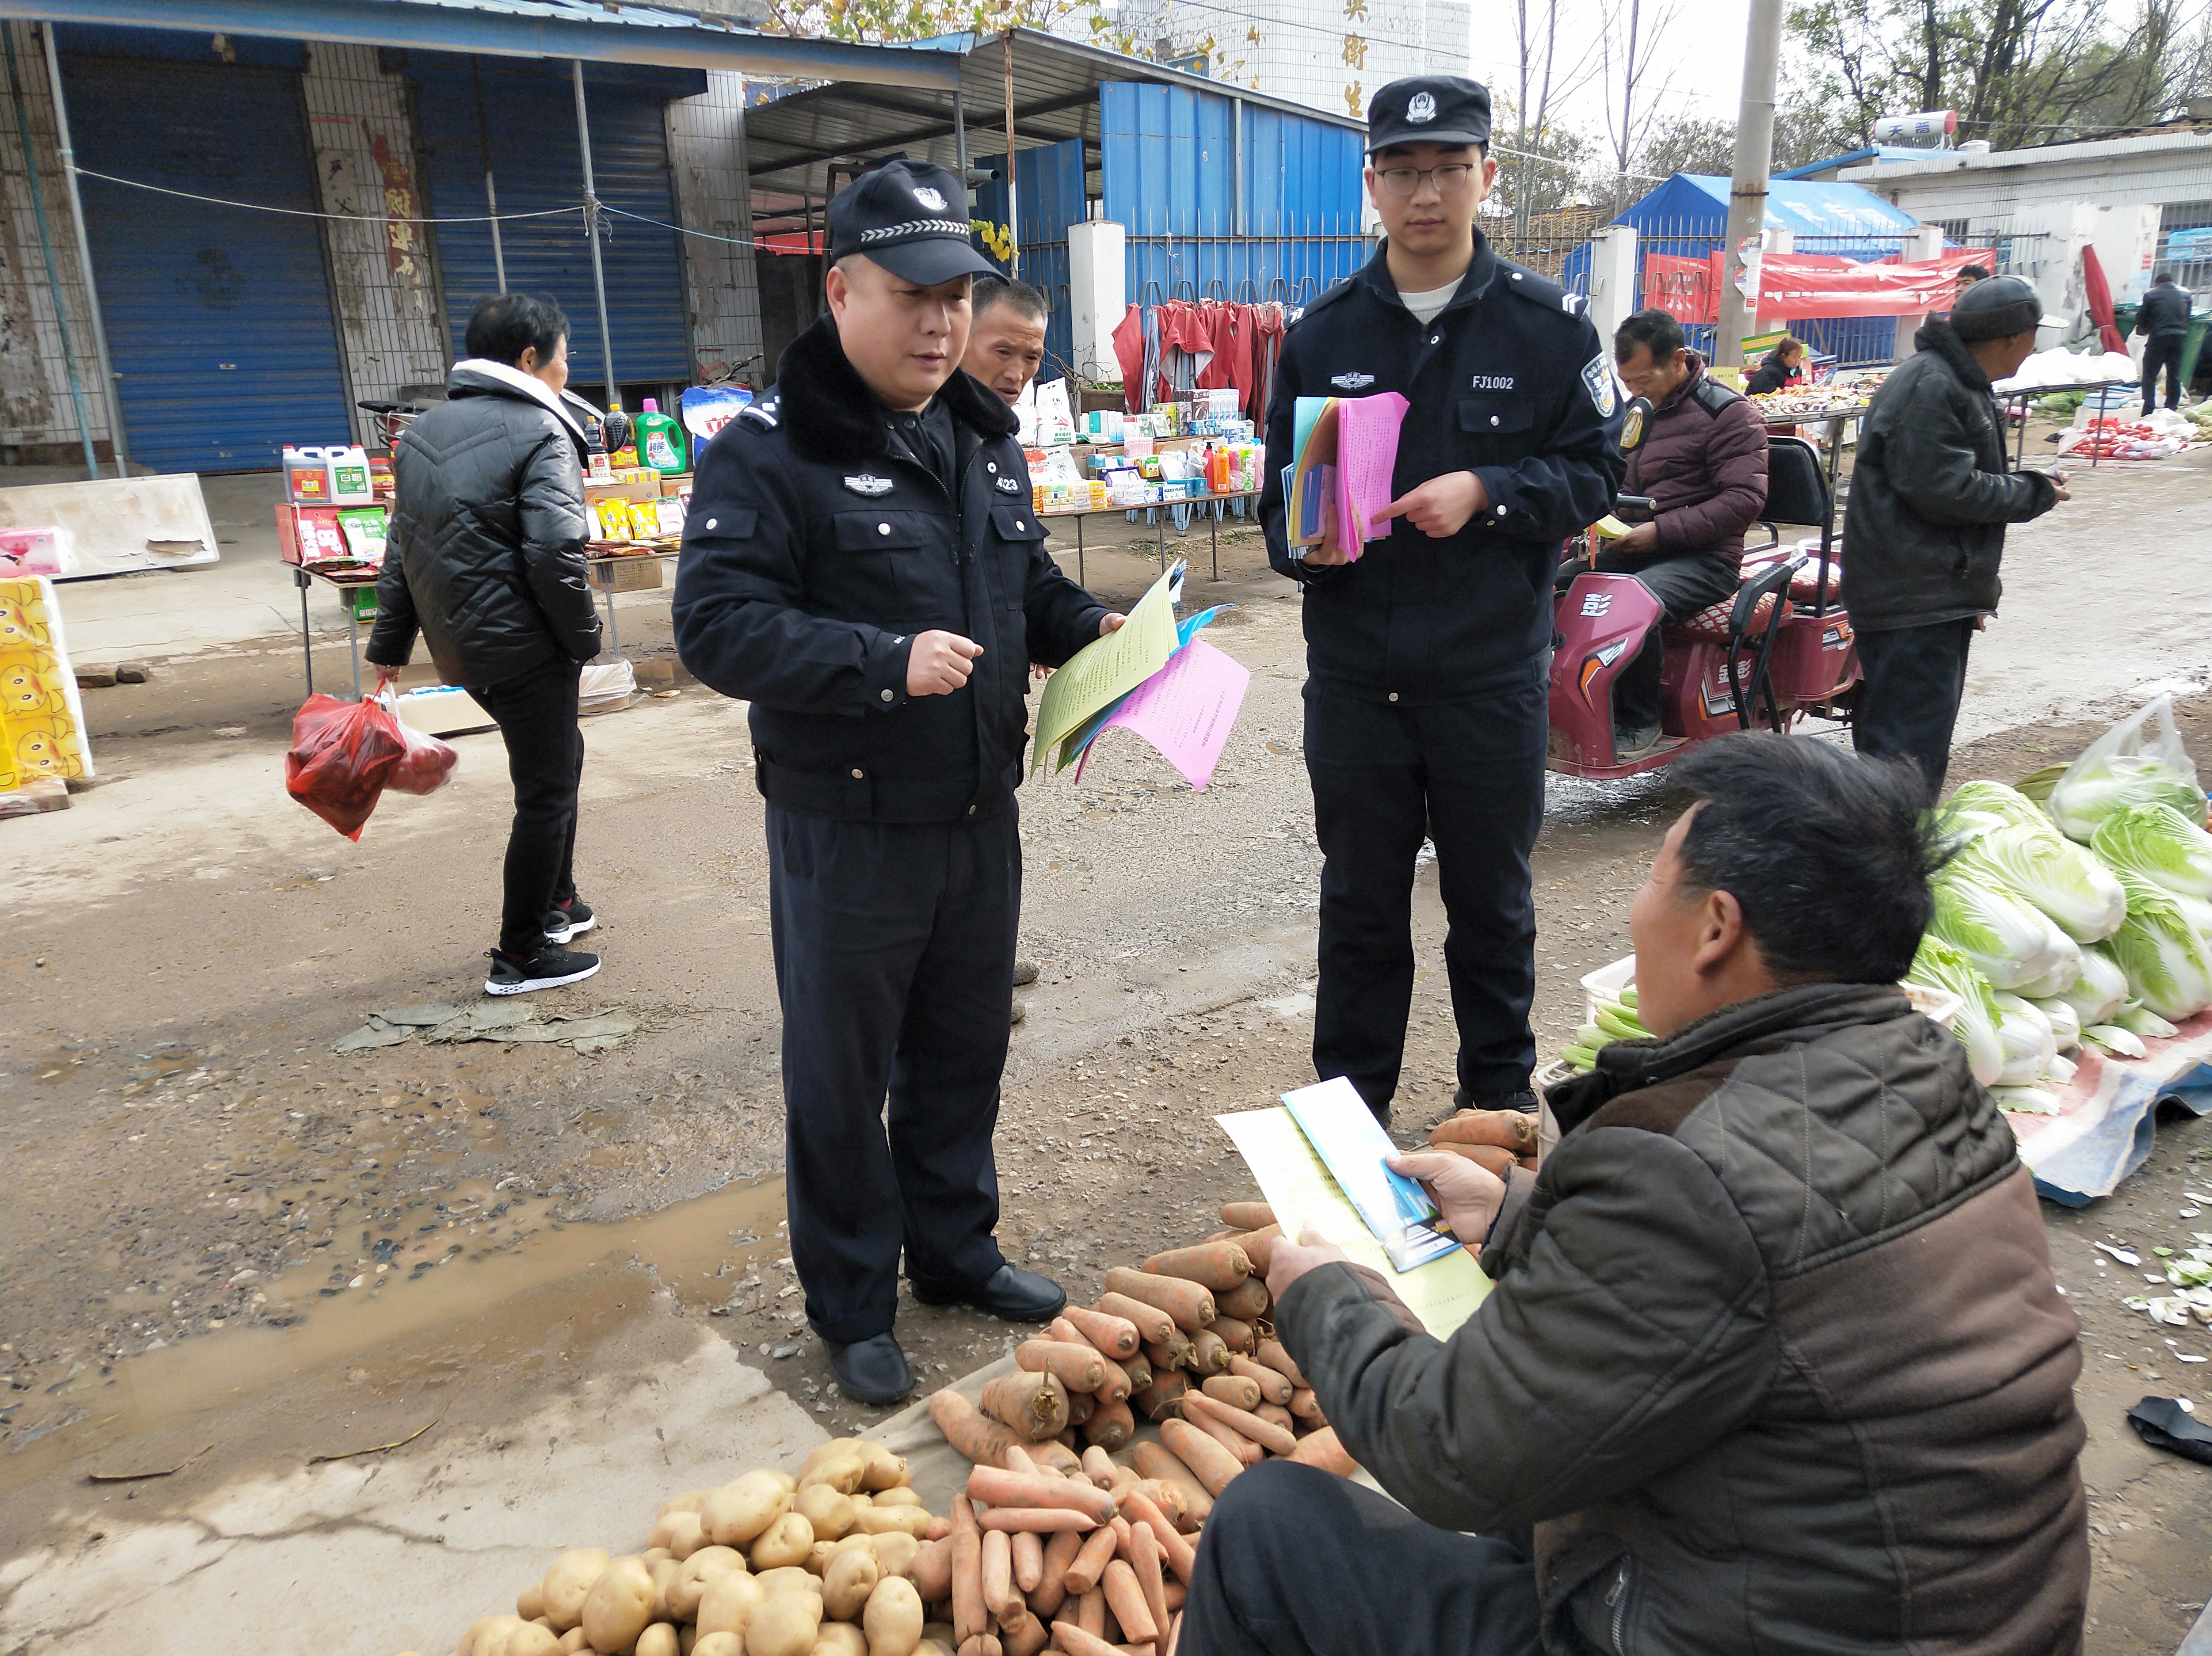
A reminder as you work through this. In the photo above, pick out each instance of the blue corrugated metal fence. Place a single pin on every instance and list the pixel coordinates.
(1170, 170)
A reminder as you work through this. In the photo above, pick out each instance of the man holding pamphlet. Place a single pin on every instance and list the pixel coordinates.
(1441, 424)
(1772, 1359)
(862, 564)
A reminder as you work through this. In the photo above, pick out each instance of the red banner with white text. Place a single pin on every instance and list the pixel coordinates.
(1820, 284)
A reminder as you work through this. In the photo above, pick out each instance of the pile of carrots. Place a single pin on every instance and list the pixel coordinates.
(1083, 1553)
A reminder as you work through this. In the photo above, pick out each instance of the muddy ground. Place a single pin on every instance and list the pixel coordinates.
(227, 1248)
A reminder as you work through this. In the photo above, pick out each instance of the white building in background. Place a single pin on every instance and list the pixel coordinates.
(1330, 54)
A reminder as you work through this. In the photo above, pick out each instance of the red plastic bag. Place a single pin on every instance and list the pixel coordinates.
(426, 766)
(343, 755)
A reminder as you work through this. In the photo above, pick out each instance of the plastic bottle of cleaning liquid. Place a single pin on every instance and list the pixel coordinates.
(659, 438)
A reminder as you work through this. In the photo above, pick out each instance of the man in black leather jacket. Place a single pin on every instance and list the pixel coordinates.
(1925, 532)
(486, 559)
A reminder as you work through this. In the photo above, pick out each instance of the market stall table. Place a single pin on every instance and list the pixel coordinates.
(304, 576)
(609, 561)
(2020, 397)
(1213, 521)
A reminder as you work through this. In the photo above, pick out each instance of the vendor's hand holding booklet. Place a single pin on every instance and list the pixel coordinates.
(1344, 450)
(1352, 1145)
(1155, 677)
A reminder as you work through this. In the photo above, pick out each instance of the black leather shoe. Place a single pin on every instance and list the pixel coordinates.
(1017, 1295)
(872, 1370)
(1525, 1100)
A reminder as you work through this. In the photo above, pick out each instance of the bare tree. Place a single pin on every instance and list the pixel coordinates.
(1629, 42)
(1542, 80)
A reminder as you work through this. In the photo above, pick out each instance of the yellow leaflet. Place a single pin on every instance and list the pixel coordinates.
(1102, 672)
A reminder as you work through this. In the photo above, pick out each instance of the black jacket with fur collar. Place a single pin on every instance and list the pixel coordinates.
(812, 555)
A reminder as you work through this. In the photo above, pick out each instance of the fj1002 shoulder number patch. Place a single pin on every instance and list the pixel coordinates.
(1598, 379)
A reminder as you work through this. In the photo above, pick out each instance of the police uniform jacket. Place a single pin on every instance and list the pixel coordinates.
(1510, 381)
(814, 551)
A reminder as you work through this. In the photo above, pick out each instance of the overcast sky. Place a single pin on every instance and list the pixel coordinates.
(1699, 56)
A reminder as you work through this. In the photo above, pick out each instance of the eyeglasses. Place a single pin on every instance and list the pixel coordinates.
(1402, 181)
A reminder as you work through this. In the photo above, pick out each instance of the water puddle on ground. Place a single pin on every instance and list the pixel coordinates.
(474, 1272)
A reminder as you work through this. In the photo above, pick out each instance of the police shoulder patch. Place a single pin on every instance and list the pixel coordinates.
(767, 414)
(1598, 380)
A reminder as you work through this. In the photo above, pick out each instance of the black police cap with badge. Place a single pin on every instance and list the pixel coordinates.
(912, 219)
(1447, 109)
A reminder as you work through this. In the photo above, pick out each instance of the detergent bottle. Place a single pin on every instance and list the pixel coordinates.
(659, 438)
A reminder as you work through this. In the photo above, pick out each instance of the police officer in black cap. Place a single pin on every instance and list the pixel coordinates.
(1931, 493)
(862, 564)
(1428, 652)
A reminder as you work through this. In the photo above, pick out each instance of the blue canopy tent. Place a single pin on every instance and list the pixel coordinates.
(1688, 217)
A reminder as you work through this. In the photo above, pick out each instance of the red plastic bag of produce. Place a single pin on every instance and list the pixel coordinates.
(426, 766)
(343, 755)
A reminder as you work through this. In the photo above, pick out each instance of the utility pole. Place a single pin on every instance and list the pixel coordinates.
(1754, 158)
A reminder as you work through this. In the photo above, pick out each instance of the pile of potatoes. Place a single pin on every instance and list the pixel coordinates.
(769, 1565)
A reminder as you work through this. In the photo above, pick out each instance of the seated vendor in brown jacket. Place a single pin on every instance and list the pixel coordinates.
(1703, 465)
(1773, 1360)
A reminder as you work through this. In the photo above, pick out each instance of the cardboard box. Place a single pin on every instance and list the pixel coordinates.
(628, 575)
(308, 535)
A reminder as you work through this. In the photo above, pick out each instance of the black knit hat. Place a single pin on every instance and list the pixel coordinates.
(1996, 309)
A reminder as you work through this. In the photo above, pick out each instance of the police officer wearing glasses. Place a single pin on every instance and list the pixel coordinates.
(1428, 652)
(862, 564)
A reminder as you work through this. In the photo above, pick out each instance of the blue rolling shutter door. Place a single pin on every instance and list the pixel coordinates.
(530, 119)
(218, 319)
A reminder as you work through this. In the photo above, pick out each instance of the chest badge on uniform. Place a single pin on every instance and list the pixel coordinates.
(1011, 486)
(1598, 379)
(868, 484)
(1352, 381)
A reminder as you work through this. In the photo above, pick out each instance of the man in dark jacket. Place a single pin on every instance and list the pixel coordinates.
(2163, 321)
(862, 564)
(1428, 654)
(1773, 1359)
(1704, 465)
(1931, 493)
(486, 557)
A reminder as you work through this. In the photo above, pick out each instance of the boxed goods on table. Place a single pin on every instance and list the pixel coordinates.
(343, 543)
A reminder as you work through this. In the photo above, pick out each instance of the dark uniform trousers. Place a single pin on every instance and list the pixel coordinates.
(1297, 1561)
(895, 964)
(1911, 680)
(1468, 774)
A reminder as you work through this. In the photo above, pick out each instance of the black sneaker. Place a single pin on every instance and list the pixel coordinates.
(549, 968)
(571, 919)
